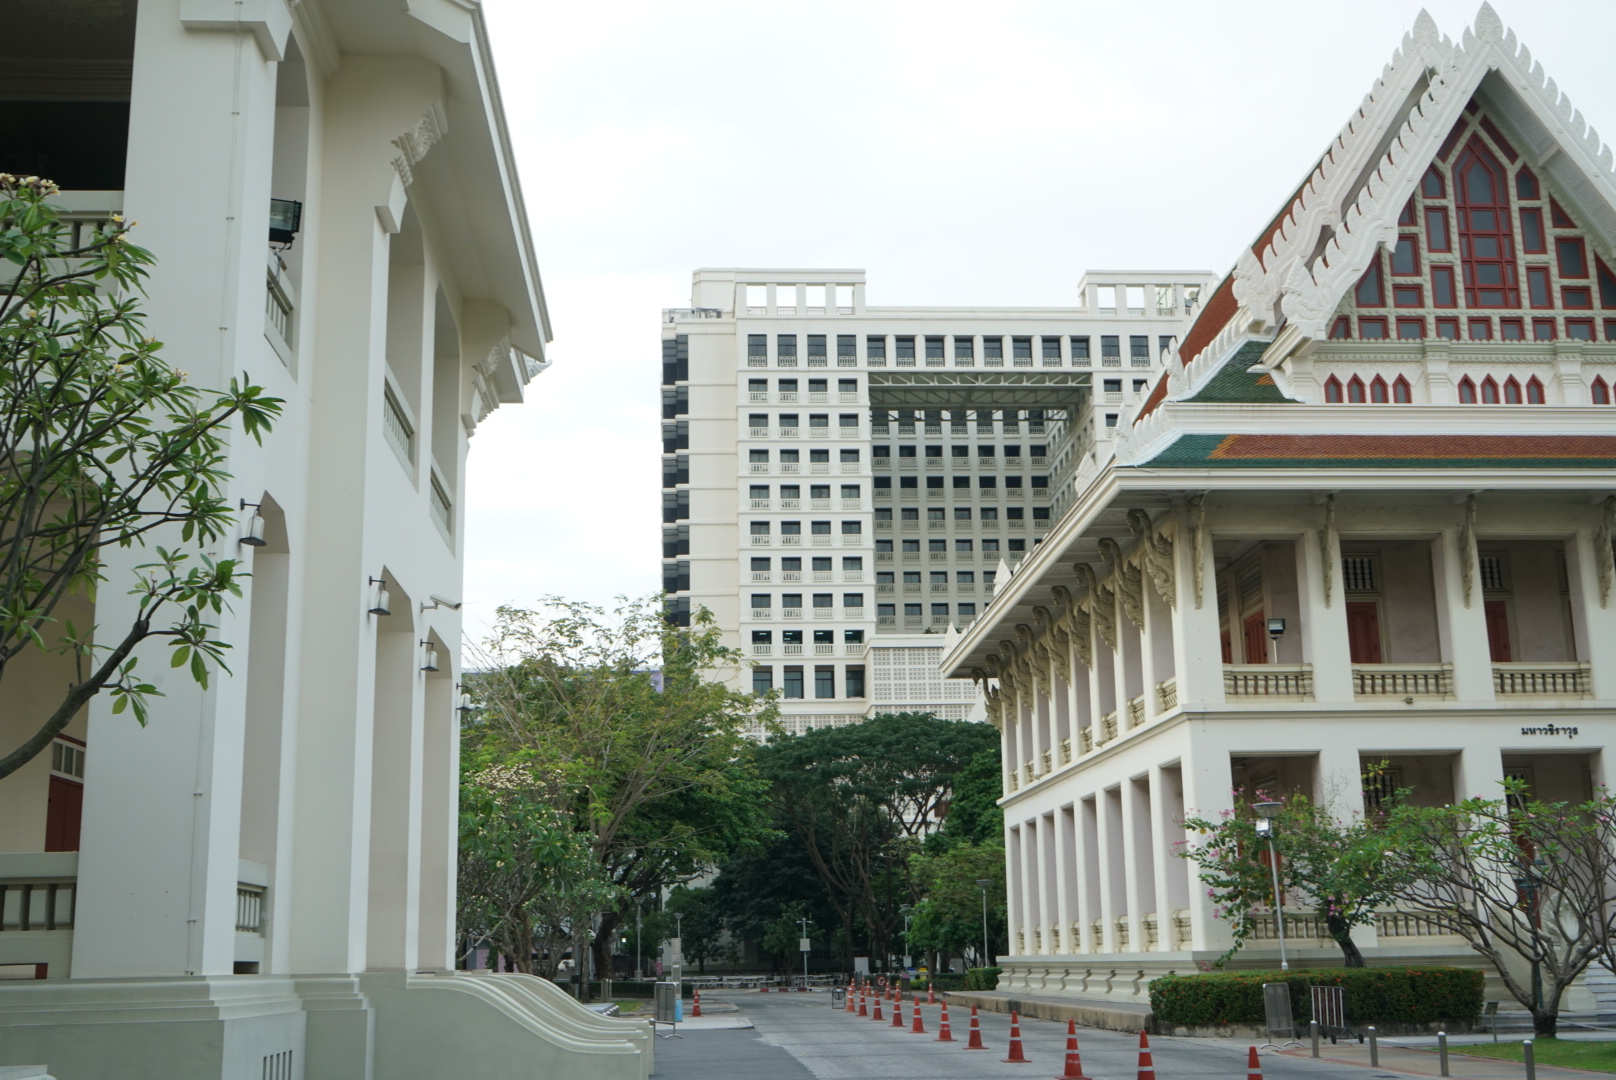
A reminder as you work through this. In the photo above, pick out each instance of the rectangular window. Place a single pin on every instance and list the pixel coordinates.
(852, 528)
(875, 347)
(1532, 235)
(1051, 348)
(1372, 329)
(1580, 329)
(786, 345)
(1573, 259)
(1080, 349)
(1139, 346)
(1543, 330)
(962, 546)
(1442, 290)
(1410, 329)
(934, 348)
(1436, 229)
(762, 680)
(824, 600)
(1021, 348)
(1511, 330)
(905, 347)
(1369, 292)
(1447, 329)
(853, 680)
(993, 348)
(1110, 346)
(967, 612)
(1406, 256)
(793, 684)
(761, 600)
(1481, 329)
(964, 347)
(846, 347)
(1407, 296)
(1537, 286)
(757, 346)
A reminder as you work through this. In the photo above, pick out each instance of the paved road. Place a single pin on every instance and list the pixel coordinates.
(799, 1037)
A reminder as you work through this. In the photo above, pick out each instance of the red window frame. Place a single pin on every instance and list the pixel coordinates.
(1407, 244)
(1578, 299)
(1407, 296)
(1439, 238)
(1538, 291)
(1584, 325)
(1379, 393)
(1565, 244)
(1447, 329)
(1442, 281)
(1599, 391)
(1489, 391)
(1543, 330)
(1485, 222)
(1557, 215)
(1355, 391)
(1406, 215)
(1379, 323)
(1332, 391)
(1410, 329)
(1512, 391)
(1467, 391)
(1511, 330)
(1372, 279)
(1484, 325)
(1432, 186)
(1534, 391)
(1610, 329)
(1534, 238)
(1402, 391)
(1342, 330)
(1526, 184)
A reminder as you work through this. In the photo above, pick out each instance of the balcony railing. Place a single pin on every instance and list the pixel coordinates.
(397, 427)
(1167, 694)
(1403, 680)
(1108, 727)
(1136, 711)
(249, 908)
(1542, 679)
(1268, 680)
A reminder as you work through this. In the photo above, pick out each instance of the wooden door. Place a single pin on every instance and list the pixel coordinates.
(63, 815)
(1363, 631)
(1256, 641)
(1498, 630)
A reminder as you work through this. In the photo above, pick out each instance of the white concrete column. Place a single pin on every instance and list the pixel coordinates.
(440, 840)
(1162, 858)
(1109, 834)
(1462, 624)
(1049, 875)
(1086, 859)
(1593, 613)
(1208, 784)
(1065, 852)
(1014, 889)
(1197, 648)
(1029, 886)
(1138, 873)
(1324, 617)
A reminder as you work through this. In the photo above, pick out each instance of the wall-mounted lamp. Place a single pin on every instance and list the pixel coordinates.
(254, 536)
(1276, 627)
(285, 219)
(465, 708)
(379, 598)
(429, 661)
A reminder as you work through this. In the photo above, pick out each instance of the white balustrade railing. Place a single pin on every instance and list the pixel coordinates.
(1268, 680)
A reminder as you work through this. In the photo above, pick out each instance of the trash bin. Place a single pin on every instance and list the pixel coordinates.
(838, 997)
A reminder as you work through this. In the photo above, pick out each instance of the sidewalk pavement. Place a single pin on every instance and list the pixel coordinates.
(1418, 1061)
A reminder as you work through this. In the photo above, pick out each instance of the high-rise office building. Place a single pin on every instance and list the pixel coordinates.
(843, 484)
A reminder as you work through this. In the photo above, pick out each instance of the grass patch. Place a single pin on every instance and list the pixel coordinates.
(1572, 1053)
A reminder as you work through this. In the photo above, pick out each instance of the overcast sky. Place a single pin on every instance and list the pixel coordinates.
(959, 153)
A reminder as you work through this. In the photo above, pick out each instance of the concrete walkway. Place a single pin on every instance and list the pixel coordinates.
(800, 1037)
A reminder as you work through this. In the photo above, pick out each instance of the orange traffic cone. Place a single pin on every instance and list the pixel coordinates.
(863, 1011)
(1147, 1069)
(1253, 1066)
(897, 1012)
(943, 1034)
(849, 997)
(875, 1014)
(695, 1006)
(1016, 1056)
(1074, 1063)
(931, 993)
(975, 1042)
(919, 1028)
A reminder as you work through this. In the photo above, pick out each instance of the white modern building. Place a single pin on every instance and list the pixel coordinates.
(1366, 516)
(843, 484)
(259, 885)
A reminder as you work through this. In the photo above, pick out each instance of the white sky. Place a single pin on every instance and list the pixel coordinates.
(959, 152)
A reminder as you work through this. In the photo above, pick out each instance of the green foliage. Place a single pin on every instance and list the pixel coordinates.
(104, 445)
(1371, 995)
(982, 978)
(949, 919)
(783, 932)
(1519, 879)
(859, 799)
(646, 745)
(700, 926)
(974, 816)
(1336, 867)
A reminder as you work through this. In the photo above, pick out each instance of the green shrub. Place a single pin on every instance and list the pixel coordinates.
(1415, 995)
(982, 978)
(944, 982)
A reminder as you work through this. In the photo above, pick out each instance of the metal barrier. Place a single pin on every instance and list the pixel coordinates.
(1330, 1012)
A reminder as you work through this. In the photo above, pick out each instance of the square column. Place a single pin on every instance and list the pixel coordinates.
(1324, 615)
(1197, 648)
(1461, 615)
(1063, 912)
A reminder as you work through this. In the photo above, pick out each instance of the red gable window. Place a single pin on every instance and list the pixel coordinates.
(1486, 233)
(1332, 390)
(1402, 392)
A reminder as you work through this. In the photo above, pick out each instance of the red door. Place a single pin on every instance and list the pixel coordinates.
(1363, 631)
(1228, 648)
(1256, 639)
(63, 815)
(1498, 630)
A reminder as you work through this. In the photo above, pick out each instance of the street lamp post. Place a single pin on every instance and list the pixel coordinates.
(1267, 812)
(908, 914)
(805, 950)
(983, 883)
(639, 965)
(679, 933)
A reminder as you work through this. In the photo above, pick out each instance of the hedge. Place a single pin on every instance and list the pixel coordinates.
(982, 978)
(1372, 995)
